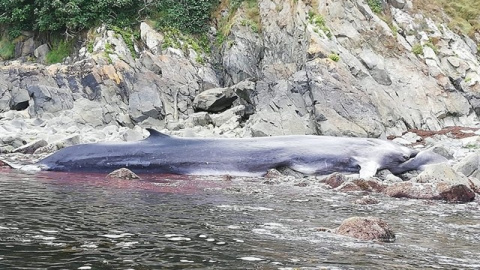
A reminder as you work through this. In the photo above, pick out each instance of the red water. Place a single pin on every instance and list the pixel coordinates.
(164, 183)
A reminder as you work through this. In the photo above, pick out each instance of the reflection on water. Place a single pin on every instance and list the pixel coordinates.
(73, 221)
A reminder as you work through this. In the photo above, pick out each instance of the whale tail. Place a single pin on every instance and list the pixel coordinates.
(6, 164)
(20, 167)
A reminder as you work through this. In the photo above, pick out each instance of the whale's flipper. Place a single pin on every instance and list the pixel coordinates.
(368, 169)
(156, 134)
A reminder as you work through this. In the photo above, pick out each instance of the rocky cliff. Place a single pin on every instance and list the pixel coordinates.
(297, 67)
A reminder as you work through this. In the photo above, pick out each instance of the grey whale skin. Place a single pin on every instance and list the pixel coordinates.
(308, 154)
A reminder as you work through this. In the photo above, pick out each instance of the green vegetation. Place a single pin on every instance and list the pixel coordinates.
(334, 57)
(319, 22)
(431, 45)
(174, 38)
(128, 35)
(7, 48)
(66, 16)
(226, 22)
(60, 49)
(464, 14)
(375, 5)
(190, 16)
(417, 49)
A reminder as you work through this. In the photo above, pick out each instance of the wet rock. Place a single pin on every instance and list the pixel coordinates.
(124, 174)
(214, 100)
(455, 193)
(31, 147)
(369, 185)
(437, 173)
(431, 191)
(367, 200)
(273, 173)
(334, 180)
(366, 228)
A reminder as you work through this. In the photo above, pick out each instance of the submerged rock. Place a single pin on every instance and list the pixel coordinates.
(366, 228)
(367, 200)
(124, 174)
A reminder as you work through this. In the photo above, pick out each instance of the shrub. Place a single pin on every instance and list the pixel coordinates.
(7, 49)
(375, 5)
(189, 16)
(417, 49)
(60, 50)
(319, 21)
(334, 57)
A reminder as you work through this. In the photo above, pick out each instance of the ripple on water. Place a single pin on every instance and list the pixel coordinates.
(86, 224)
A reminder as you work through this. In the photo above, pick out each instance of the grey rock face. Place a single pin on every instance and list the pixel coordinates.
(49, 99)
(145, 103)
(214, 100)
(376, 66)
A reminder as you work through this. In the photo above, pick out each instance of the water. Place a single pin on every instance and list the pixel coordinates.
(74, 221)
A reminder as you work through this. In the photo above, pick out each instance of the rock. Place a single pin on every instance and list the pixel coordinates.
(132, 135)
(151, 38)
(199, 119)
(41, 52)
(431, 191)
(366, 228)
(400, 4)
(334, 180)
(376, 66)
(222, 118)
(470, 165)
(124, 174)
(214, 100)
(455, 193)
(49, 99)
(20, 99)
(367, 200)
(145, 103)
(369, 185)
(31, 147)
(438, 173)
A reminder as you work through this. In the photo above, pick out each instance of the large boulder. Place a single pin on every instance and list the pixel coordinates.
(366, 228)
(431, 191)
(470, 165)
(49, 99)
(442, 172)
(214, 100)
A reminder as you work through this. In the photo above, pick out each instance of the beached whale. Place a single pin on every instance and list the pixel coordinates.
(308, 154)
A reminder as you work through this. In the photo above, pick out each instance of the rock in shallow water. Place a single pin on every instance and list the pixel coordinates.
(366, 228)
(123, 173)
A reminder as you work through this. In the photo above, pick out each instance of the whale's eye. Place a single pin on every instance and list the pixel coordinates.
(405, 157)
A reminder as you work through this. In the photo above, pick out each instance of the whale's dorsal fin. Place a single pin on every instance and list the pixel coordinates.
(156, 134)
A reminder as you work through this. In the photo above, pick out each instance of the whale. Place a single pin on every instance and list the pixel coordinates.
(308, 154)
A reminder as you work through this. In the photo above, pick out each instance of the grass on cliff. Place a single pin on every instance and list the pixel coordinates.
(464, 14)
(7, 48)
(59, 50)
(226, 21)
